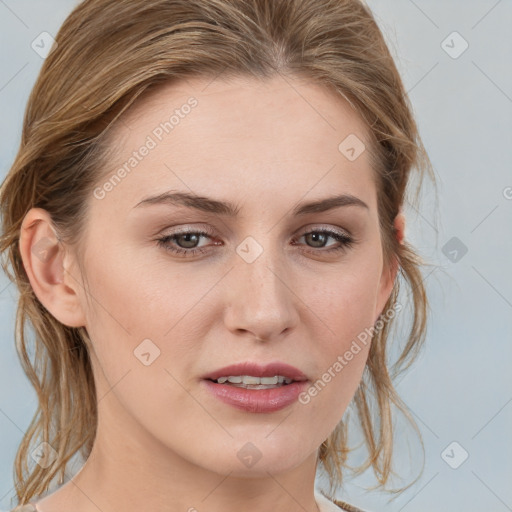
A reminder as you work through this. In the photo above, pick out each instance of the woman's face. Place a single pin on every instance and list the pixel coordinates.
(264, 280)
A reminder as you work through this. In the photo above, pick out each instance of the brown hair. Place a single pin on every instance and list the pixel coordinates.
(108, 54)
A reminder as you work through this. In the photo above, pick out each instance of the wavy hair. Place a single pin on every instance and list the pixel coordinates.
(110, 53)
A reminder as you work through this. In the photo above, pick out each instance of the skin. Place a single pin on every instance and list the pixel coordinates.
(163, 442)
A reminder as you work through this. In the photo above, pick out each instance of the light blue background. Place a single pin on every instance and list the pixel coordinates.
(460, 388)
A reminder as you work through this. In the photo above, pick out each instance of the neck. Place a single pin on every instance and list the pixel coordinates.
(130, 470)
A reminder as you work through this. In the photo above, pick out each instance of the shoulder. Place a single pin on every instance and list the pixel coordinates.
(326, 504)
(24, 508)
(347, 507)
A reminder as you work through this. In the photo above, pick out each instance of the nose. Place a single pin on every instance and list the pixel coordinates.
(260, 302)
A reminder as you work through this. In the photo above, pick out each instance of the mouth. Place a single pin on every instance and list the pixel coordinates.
(249, 373)
(254, 388)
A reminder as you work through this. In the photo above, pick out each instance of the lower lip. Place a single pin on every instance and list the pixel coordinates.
(257, 400)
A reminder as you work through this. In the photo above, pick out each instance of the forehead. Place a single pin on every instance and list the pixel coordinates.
(251, 136)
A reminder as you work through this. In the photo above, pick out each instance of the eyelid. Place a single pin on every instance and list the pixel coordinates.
(191, 229)
(319, 227)
(211, 231)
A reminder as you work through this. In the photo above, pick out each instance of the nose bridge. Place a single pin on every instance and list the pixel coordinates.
(260, 297)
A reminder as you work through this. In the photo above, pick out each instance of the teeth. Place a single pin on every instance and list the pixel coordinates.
(249, 379)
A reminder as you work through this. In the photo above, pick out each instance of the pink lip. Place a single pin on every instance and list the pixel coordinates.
(257, 400)
(257, 370)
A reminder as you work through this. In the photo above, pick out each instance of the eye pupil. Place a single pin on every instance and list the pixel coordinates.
(188, 237)
(317, 237)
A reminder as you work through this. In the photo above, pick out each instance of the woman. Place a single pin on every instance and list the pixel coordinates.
(204, 222)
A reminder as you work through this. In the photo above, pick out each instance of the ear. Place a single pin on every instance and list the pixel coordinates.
(44, 259)
(390, 272)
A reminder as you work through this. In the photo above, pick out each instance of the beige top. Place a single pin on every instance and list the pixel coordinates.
(324, 504)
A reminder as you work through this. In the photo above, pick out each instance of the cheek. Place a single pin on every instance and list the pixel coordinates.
(345, 305)
(130, 297)
(118, 313)
(139, 313)
(345, 302)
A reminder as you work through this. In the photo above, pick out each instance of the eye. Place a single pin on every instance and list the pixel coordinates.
(188, 239)
(319, 237)
(185, 243)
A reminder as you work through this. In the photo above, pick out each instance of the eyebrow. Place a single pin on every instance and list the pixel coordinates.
(209, 205)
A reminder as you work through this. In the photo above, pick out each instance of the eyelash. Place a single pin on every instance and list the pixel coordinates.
(345, 240)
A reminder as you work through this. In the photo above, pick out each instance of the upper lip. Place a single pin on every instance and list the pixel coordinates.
(258, 370)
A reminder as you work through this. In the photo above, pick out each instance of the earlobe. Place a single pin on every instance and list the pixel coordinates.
(399, 226)
(43, 256)
(386, 287)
